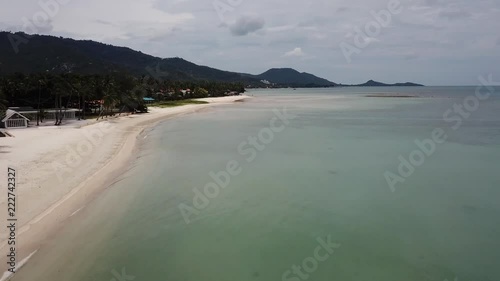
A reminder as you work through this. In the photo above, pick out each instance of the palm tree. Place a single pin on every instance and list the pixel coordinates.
(110, 97)
(61, 89)
(41, 82)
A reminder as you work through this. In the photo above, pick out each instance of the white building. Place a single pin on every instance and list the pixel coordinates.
(14, 119)
(48, 114)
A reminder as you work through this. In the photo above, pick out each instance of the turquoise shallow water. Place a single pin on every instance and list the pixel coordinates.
(320, 178)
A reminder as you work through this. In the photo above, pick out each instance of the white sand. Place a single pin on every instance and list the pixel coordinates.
(60, 169)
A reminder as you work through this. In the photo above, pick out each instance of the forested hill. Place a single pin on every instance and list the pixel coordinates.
(49, 54)
(62, 55)
(288, 76)
(372, 83)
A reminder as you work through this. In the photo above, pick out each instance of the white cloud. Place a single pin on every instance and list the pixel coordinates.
(297, 52)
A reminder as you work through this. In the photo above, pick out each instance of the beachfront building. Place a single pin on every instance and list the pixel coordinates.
(48, 114)
(13, 119)
(69, 114)
(185, 92)
(149, 100)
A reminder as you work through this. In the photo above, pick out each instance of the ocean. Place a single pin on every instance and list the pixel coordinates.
(305, 184)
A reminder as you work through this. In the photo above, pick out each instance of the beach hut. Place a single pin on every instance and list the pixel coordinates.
(48, 114)
(14, 119)
(149, 100)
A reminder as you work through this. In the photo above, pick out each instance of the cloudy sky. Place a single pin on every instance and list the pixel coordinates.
(435, 42)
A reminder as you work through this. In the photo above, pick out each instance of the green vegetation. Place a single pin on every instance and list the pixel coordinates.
(103, 95)
(165, 104)
(3, 104)
(49, 54)
(3, 101)
(62, 55)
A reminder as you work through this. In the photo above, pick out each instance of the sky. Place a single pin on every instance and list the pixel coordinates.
(433, 42)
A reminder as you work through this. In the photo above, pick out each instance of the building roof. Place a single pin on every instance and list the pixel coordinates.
(31, 110)
(9, 113)
(53, 111)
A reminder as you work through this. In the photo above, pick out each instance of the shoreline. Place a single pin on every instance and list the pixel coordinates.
(52, 191)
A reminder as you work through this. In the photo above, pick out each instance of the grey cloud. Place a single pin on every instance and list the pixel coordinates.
(431, 2)
(41, 28)
(411, 56)
(421, 25)
(454, 14)
(317, 21)
(105, 22)
(342, 9)
(8, 27)
(46, 29)
(280, 41)
(165, 35)
(245, 25)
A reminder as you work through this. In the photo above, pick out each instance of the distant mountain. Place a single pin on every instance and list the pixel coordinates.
(293, 78)
(61, 55)
(372, 83)
(41, 53)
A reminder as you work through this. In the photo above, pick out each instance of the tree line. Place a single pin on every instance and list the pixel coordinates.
(100, 94)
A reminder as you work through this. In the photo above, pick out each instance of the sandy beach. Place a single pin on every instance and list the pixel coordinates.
(60, 169)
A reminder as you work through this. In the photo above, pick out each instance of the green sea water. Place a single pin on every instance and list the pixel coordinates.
(320, 178)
